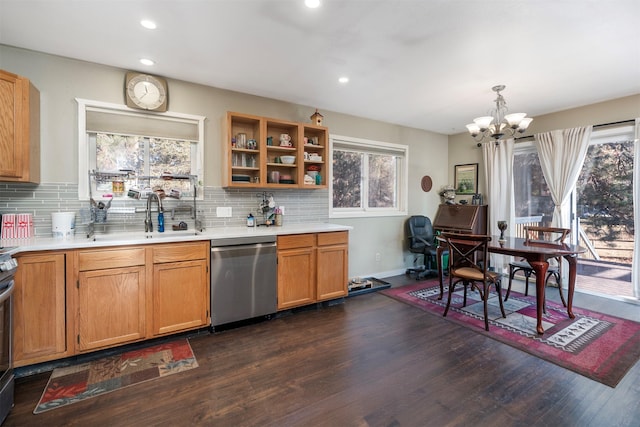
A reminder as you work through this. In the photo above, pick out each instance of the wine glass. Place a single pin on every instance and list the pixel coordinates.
(502, 226)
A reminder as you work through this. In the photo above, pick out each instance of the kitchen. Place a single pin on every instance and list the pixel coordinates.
(58, 188)
(306, 210)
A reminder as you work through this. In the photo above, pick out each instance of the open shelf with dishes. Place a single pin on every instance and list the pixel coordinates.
(261, 152)
(244, 154)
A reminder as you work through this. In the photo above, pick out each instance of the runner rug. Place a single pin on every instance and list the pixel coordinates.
(76, 383)
(598, 346)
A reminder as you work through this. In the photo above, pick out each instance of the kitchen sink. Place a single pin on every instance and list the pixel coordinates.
(141, 235)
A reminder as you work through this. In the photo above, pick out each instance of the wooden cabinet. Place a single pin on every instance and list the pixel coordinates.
(253, 153)
(111, 297)
(296, 270)
(72, 302)
(180, 296)
(332, 265)
(40, 332)
(19, 129)
(312, 268)
(468, 219)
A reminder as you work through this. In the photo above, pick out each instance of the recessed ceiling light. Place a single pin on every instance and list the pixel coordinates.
(343, 80)
(148, 24)
(146, 61)
(312, 4)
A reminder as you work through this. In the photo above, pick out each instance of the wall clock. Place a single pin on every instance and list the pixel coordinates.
(146, 92)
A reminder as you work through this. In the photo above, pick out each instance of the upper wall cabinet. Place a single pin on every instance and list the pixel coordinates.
(19, 129)
(260, 152)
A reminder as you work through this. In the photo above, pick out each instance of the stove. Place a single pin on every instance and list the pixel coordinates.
(8, 266)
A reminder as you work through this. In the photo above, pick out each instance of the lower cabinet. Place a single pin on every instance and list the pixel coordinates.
(312, 268)
(76, 301)
(39, 318)
(296, 270)
(180, 295)
(110, 297)
(332, 265)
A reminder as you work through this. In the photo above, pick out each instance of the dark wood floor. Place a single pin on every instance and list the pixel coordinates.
(371, 361)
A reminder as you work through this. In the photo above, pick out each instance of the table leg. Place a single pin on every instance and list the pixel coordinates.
(573, 264)
(540, 267)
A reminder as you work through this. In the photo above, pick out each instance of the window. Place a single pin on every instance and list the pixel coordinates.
(533, 202)
(601, 203)
(114, 138)
(369, 178)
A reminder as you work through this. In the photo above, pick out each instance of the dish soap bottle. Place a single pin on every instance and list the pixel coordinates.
(251, 221)
(160, 222)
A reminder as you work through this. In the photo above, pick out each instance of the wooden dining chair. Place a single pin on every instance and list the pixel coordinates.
(550, 235)
(468, 264)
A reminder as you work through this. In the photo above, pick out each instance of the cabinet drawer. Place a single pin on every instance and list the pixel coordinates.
(296, 241)
(333, 238)
(102, 259)
(175, 252)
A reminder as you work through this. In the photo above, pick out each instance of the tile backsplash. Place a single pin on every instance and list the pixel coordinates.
(43, 199)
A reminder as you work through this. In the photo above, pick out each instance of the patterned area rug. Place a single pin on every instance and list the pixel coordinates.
(595, 345)
(75, 383)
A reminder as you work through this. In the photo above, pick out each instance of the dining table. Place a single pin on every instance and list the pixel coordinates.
(537, 253)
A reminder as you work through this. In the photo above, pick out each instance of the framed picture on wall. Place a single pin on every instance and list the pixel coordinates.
(466, 178)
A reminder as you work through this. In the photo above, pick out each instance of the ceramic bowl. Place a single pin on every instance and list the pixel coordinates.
(288, 160)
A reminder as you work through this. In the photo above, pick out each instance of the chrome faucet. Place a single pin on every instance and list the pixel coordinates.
(148, 225)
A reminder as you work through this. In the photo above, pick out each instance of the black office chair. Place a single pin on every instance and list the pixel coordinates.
(419, 232)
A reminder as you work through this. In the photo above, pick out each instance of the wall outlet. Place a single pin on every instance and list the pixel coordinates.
(223, 212)
(378, 257)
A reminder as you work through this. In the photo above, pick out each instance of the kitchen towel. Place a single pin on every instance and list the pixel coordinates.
(8, 226)
(24, 225)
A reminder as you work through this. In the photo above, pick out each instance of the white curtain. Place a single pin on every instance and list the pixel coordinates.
(635, 266)
(562, 154)
(498, 170)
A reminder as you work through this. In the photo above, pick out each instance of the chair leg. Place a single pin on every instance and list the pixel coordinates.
(485, 297)
(527, 275)
(465, 284)
(498, 286)
(451, 288)
(556, 275)
(511, 274)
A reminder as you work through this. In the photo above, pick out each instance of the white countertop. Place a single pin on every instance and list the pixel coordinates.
(140, 237)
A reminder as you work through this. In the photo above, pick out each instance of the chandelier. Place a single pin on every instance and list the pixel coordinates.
(499, 123)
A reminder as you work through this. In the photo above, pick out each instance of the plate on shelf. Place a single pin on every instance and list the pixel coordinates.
(286, 181)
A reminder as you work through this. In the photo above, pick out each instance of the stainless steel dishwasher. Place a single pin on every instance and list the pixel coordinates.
(243, 278)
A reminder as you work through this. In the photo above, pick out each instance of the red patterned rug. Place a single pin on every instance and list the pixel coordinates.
(75, 383)
(596, 345)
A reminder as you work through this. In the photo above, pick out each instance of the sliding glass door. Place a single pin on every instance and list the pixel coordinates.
(602, 211)
(604, 214)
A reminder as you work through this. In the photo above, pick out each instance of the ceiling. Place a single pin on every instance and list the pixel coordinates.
(427, 64)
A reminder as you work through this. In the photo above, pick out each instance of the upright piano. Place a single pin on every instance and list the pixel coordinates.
(467, 219)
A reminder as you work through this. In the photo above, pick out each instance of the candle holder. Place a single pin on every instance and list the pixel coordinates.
(502, 226)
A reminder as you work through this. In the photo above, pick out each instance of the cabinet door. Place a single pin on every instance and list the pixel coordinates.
(180, 296)
(19, 129)
(332, 270)
(39, 309)
(111, 307)
(296, 277)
